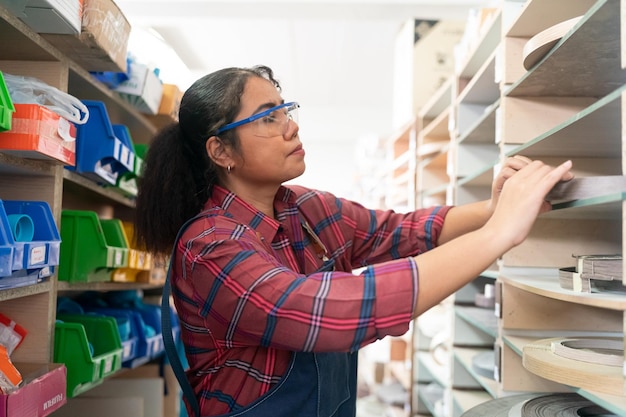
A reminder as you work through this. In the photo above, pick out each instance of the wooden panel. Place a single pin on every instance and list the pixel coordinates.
(524, 119)
(514, 377)
(523, 310)
(36, 313)
(51, 73)
(552, 242)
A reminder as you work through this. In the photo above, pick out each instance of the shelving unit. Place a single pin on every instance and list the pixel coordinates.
(568, 106)
(400, 149)
(34, 307)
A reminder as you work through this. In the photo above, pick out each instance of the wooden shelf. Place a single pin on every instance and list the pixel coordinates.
(105, 286)
(594, 131)
(548, 286)
(20, 292)
(594, 41)
(27, 53)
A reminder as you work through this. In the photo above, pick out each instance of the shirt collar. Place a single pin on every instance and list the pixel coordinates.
(243, 212)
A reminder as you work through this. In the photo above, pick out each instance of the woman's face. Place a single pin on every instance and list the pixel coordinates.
(274, 157)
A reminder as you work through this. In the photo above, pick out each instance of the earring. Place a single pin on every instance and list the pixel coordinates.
(228, 169)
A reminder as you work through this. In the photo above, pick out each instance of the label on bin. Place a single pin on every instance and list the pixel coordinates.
(37, 255)
(118, 257)
(108, 364)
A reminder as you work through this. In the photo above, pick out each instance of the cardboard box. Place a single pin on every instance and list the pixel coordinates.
(103, 42)
(143, 90)
(172, 398)
(39, 133)
(170, 102)
(149, 389)
(42, 393)
(168, 109)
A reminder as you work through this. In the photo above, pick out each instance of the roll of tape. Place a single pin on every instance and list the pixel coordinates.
(563, 405)
(22, 227)
(498, 407)
(539, 405)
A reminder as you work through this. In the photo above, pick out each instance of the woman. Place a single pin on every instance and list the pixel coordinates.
(272, 316)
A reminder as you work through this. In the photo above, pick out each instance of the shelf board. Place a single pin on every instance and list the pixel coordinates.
(431, 400)
(25, 291)
(612, 403)
(481, 318)
(538, 15)
(15, 165)
(438, 102)
(485, 47)
(104, 286)
(484, 129)
(594, 41)
(80, 185)
(602, 207)
(436, 129)
(21, 43)
(483, 87)
(465, 357)
(465, 400)
(482, 177)
(439, 372)
(548, 286)
(601, 121)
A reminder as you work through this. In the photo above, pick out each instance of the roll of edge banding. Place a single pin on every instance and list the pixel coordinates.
(498, 407)
(539, 45)
(563, 405)
(542, 359)
(22, 227)
(539, 405)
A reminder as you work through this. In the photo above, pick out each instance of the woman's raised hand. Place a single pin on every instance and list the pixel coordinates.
(518, 195)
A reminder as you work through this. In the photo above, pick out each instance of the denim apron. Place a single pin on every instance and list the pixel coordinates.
(315, 385)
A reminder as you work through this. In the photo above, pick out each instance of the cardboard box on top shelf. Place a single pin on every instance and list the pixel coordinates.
(102, 44)
(433, 56)
(168, 109)
(143, 90)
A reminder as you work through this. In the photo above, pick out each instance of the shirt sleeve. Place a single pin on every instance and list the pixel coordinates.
(228, 281)
(375, 236)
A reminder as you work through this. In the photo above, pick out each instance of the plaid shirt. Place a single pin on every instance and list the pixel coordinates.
(247, 293)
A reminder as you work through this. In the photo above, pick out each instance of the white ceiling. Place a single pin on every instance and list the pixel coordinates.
(334, 57)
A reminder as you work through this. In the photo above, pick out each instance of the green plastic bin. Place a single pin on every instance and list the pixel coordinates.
(89, 346)
(6, 106)
(91, 248)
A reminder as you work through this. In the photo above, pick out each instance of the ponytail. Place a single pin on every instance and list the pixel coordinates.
(172, 189)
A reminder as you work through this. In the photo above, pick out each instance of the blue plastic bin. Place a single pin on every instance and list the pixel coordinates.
(27, 260)
(100, 154)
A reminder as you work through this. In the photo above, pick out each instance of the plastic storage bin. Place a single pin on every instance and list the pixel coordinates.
(29, 242)
(139, 261)
(40, 133)
(100, 154)
(90, 348)
(127, 181)
(6, 105)
(141, 346)
(91, 249)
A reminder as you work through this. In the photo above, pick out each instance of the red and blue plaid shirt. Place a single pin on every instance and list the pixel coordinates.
(247, 293)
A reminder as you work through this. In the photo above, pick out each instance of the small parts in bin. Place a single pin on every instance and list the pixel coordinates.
(11, 336)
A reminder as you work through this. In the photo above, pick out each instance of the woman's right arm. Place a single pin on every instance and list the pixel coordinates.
(446, 268)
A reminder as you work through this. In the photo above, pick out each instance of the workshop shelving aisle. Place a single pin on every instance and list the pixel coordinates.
(34, 306)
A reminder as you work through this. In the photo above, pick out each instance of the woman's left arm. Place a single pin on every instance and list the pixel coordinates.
(469, 217)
